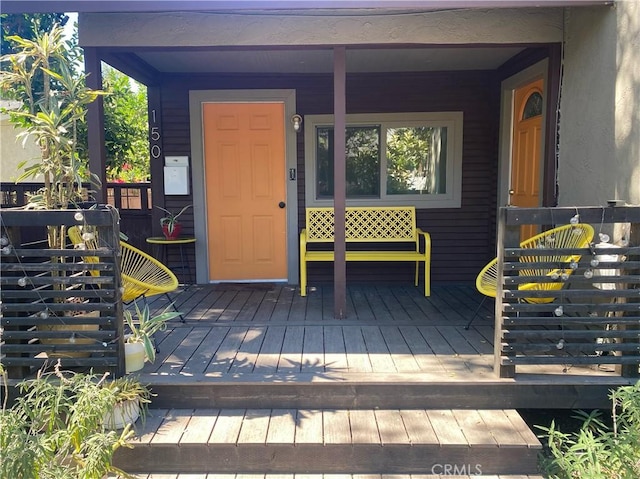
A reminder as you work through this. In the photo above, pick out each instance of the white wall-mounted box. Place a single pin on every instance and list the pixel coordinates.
(176, 175)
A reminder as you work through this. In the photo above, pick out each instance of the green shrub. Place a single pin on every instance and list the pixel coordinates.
(54, 430)
(599, 450)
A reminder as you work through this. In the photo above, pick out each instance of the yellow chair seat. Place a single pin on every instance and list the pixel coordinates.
(141, 274)
(567, 236)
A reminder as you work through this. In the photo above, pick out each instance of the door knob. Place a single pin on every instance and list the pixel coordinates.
(282, 204)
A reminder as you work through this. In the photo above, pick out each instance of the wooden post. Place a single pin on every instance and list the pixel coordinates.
(95, 124)
(508, 236)
(156, 156)
(632, 370)
(339, 181)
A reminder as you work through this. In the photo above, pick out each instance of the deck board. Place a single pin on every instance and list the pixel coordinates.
(336, 427)
(291, 356)
(227, 426)
(335, 356)
(200, 426)
(282, 427)
(205, 352)
(356, 349)
(172, 427)
(269, 355)
(379, 355)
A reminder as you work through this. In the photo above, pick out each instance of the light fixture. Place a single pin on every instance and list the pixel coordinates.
(297, 122)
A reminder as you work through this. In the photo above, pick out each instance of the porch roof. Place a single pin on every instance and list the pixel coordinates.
(35, 6)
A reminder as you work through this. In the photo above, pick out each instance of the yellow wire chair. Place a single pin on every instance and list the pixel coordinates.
(142, 275)
(567, 236)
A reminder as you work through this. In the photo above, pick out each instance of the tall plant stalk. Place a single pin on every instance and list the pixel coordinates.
(53, 100)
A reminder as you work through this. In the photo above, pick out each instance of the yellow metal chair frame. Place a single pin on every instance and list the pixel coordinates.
(567, 236)
(142, 275)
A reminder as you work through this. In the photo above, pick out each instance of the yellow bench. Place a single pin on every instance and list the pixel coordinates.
(382, 224)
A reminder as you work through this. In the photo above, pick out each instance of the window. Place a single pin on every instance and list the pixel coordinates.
(533, 107)
(392, 159)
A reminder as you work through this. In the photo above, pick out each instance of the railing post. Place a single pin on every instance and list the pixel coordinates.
(508, 236)
(632, 370)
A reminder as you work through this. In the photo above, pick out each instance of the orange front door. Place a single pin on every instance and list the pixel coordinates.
(245, 190)
(527, 145)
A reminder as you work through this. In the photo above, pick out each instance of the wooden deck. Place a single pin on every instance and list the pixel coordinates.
(260, 383)
(393, 337)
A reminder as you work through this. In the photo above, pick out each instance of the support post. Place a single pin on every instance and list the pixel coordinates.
(95, 124)
(339, 181)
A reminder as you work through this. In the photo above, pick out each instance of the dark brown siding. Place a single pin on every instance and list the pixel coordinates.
(462, 238)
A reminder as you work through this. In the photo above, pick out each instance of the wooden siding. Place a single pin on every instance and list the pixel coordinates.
(462, 238)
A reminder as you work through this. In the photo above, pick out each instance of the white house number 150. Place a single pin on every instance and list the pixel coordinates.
(156, 151)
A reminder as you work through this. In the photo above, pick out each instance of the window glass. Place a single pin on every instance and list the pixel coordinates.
(391, 159)
(533, 107)
(362, 158)
(416, 160)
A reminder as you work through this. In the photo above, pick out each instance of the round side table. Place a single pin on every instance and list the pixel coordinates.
(160, 241)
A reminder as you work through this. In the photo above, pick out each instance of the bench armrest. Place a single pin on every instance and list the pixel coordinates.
(427, 242)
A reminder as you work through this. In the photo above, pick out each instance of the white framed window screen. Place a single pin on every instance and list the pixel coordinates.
(442, 188)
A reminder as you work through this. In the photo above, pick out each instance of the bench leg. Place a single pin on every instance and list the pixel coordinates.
(303, 277)
(427, 278)
(427, 282)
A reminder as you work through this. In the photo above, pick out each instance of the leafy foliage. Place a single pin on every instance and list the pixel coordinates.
(51, 116)
(125, 106)
(598, 451)
(126, 128)
(27, 25)
(171, 219)
(143, 326)
(55, 429)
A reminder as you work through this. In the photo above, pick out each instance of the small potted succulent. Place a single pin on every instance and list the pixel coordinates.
(139, 344)
(131, 402)
(171, 227)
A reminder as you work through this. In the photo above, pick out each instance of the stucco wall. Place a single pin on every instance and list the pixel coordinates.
(12, 152)
(599, 155)
(318, 28)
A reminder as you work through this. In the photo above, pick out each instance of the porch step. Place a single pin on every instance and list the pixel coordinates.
(332, 441)
(328, 476)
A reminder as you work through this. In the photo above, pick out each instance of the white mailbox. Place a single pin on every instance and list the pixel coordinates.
(176, 175)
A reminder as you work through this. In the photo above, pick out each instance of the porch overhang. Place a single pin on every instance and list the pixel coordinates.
(99, 6)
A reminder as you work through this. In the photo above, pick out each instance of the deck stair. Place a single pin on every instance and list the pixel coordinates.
(332, 441)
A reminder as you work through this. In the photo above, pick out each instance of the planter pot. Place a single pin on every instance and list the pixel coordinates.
(133, 356)
(177, 229)
(78, 340)
(125, 412)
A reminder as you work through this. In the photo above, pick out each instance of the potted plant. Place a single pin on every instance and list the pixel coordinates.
(139, 344)
(131, 402)
(51, 103)
(55, 428)
(171, 227)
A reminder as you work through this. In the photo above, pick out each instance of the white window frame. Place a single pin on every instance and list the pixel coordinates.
(452, 198)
